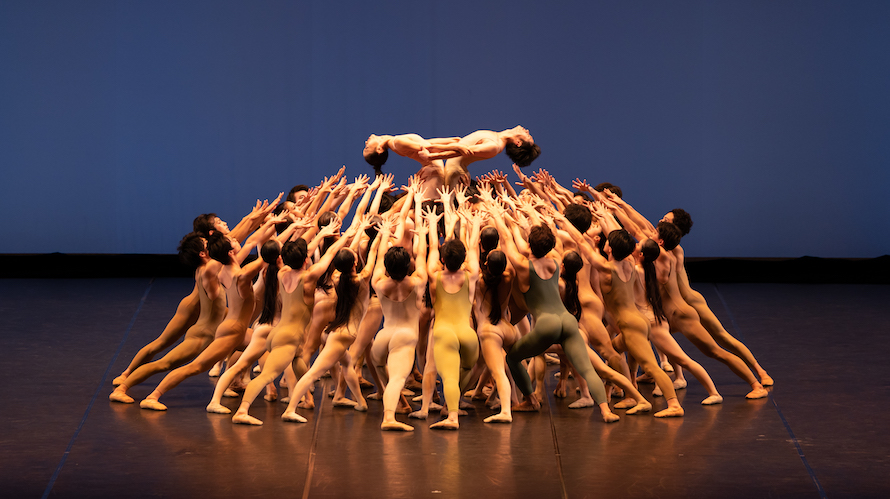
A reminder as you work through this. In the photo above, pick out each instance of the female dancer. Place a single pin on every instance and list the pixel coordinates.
(297, 286)
(401, 298)
(353, 293)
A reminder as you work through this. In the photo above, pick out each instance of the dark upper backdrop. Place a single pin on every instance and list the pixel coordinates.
(768, 121)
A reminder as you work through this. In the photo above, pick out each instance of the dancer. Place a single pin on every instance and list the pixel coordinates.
(538, 280)
(486, 144)
(296, 281)
(401, 298)
(353, 293)
(193, 249)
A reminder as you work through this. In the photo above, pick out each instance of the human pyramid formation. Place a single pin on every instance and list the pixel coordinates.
(580, 274)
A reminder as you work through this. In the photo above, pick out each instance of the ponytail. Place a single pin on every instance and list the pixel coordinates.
(651, 251)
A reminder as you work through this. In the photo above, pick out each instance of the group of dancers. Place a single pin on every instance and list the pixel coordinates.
(453, 267)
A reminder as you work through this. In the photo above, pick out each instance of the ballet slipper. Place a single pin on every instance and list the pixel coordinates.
(406, 392)
(361, 407)
(362, 382)
(229, 393)
(120, 396)
(378, 396)
(560, 391)
(645, 378)
(610, 417)
(463, 404)
(757, 393)
(306, 403)
(256, 369)
(626, 403)
(640, 408)
(292, 417)
(551, 358)
(345, 402)
(712, 400)
(402, 409)
(120, 380)
(657, 392)
(421, 414)
(526, 406)
(766, 380)
(617, 393)
(395, 426)
(285, 400)
(153, 405)
(679, 384)
(271, 393)
(246, 419)
(413, 384)
(582, 403)
(670, 412)
(445, 424)
(214, 371)
(499, 418)
(434, 406)
(218, 409)
(667, 367)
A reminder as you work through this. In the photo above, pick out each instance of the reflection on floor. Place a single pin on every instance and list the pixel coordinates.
(820, 433)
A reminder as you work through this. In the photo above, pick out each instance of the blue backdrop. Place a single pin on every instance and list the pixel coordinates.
(769, 121)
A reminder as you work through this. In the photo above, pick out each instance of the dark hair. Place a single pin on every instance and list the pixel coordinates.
(438, 208)
(583, 195)
(579, 216)
(489, 238)
(523, 154)
(650, 251)
(294, 253)
(203, 224)
(377, 160)
(292, 195)
(572, 263)
(601, 244)
(612, 187)
(218, 245)
(270, 252)
(386, 202)
(682, 220)
(541, 240)
(397, 262)
(282, 226)
(323, 220)
(492, 274)
(622, 244)
(453, 254)
(190, 247)
(347, 288)
(669, 234)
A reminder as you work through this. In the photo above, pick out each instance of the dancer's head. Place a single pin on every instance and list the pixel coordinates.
(294, 253)
(669, 234)
(541, 240)
(521, 147)
(397, 262)
(680, 218)
(297, 193)
(219, 246)
(270, 253)
(621, 244)
(453, 254)
(376, 152)
(493, 268)
(571, 265)
(579, 216)
(190, 249)
(614, 189)
(207, 224)
(344, 261)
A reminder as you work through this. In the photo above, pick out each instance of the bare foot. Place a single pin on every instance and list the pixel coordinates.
(679, 384)
(246, 419)
(395, 426)
(120, 396)
(152, 404)
(712, 400)
(218, 409)
(765, 380)
(582, 403)
(757, 393)
(670, 412)
(499, 418)
(445, 424)
(292, 417)
(345, 402)
(117, 381)
(640, 408)
(418, 415)
(229, 393)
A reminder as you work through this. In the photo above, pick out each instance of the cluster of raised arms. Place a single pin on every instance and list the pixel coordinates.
(453, 268)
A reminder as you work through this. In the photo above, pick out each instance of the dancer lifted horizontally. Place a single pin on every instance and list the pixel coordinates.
(486, 144)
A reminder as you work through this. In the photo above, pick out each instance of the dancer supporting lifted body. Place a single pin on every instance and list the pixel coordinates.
(538, 279)
(486, 144)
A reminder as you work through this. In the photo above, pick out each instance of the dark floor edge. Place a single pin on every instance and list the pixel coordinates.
(803, 270)
(55, 476)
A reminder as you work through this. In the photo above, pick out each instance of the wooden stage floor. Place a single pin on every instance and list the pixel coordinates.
(821, 432)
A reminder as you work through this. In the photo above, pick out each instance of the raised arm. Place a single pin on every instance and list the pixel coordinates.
(433, 263)
(584, 247)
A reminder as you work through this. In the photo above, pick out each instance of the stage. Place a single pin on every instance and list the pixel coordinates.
(821, 432)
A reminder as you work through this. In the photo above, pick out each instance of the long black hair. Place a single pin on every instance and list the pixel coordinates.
(323, 281)
(269, 253)
(572, 263)
(347, 288)
(492, 274)
(650, 252)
